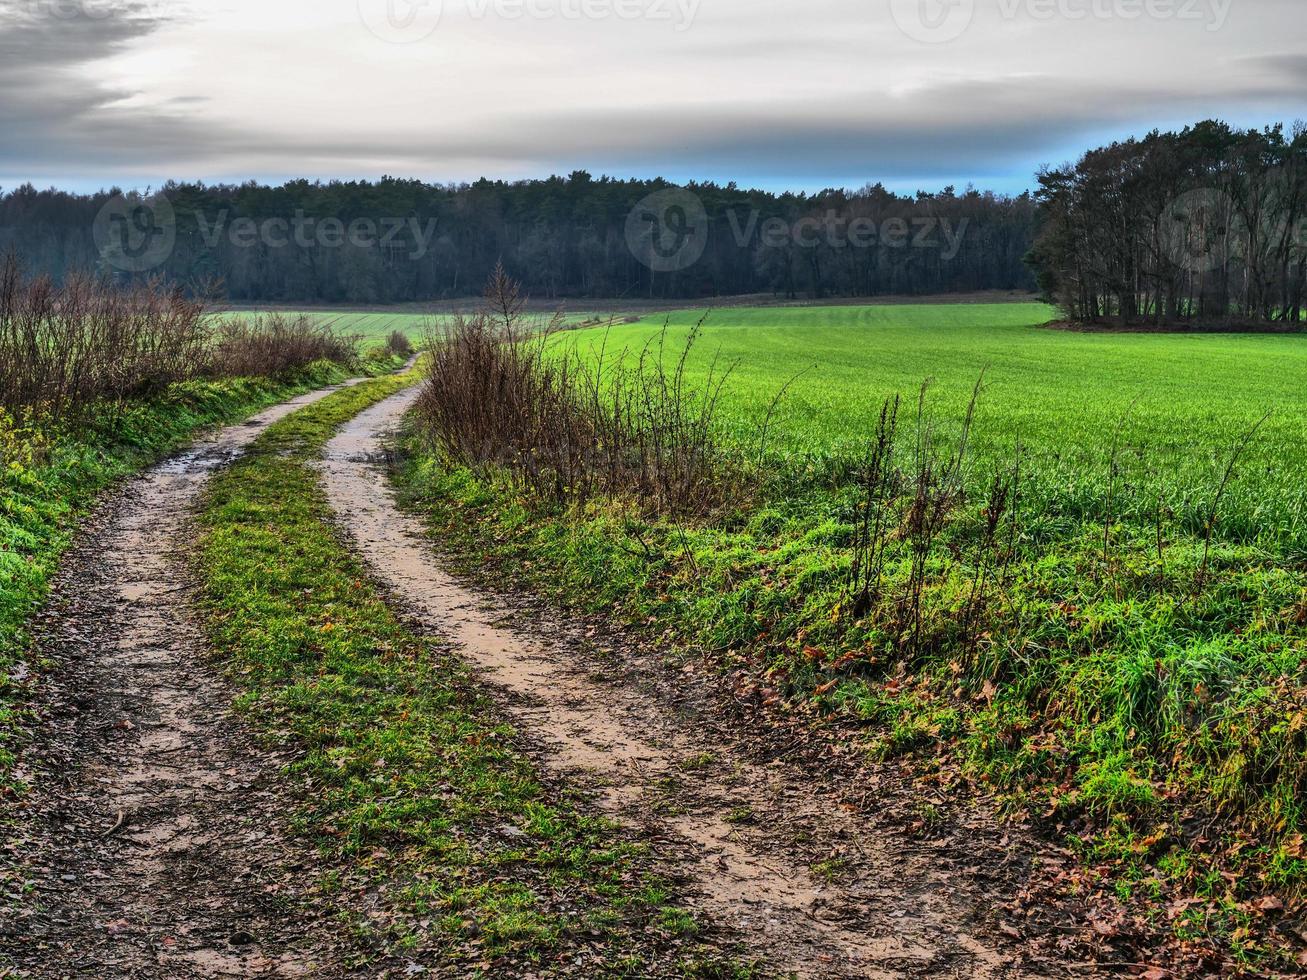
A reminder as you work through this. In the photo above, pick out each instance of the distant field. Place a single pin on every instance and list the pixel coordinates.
(1062, 393)
(371, 327)
(376, 327)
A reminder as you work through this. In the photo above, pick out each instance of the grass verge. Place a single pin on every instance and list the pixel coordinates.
(456, 852)
(1156, 730)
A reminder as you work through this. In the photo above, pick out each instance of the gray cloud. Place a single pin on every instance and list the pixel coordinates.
(777, 102)
(1285, 68)
(55, 112)
(36, 51)
(992, 125)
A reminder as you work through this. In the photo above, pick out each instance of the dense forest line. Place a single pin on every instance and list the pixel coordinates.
(1204, 226)
(405, 240)
(1207, 225)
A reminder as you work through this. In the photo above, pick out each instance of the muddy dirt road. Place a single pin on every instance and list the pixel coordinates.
(152, 840)
(779, 863)
(151, 837)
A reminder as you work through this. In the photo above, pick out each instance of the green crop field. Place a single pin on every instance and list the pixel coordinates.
(1081, 649)
(372, 327)
(1062, 394)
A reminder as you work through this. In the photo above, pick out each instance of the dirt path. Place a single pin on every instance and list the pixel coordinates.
(154, 851)
(782, 864)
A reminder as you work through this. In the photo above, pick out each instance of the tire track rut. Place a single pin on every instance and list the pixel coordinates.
(154, 851)
(743, 836)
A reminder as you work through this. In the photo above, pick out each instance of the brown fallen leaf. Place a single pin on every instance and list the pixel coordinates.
(1268, 903)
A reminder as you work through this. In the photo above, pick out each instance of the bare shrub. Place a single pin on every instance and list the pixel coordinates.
(879, 483)
(274, 345)
(399, 344)
(568, 426)
(65, 347)
(937, 492)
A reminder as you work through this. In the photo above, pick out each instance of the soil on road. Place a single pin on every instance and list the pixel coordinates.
(151, 838)
(152, 842)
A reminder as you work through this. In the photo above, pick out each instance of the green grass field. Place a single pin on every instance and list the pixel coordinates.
(1062, 394)
(375, 327)
(1124, 693)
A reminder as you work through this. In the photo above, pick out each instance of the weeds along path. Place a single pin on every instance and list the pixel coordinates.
(804, 884)
(153, 851)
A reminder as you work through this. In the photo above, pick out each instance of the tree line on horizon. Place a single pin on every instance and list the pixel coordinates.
(1207, 226)
(562, 237)
(1203, 226)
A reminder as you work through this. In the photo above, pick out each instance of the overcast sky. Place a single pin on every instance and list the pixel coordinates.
(801, 94)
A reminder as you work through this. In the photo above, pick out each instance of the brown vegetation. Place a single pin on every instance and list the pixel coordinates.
(274, 344)
(399, 344)
(570, 428)
(64, 348)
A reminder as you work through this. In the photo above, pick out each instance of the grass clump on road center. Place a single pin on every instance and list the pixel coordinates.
(455, 850)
